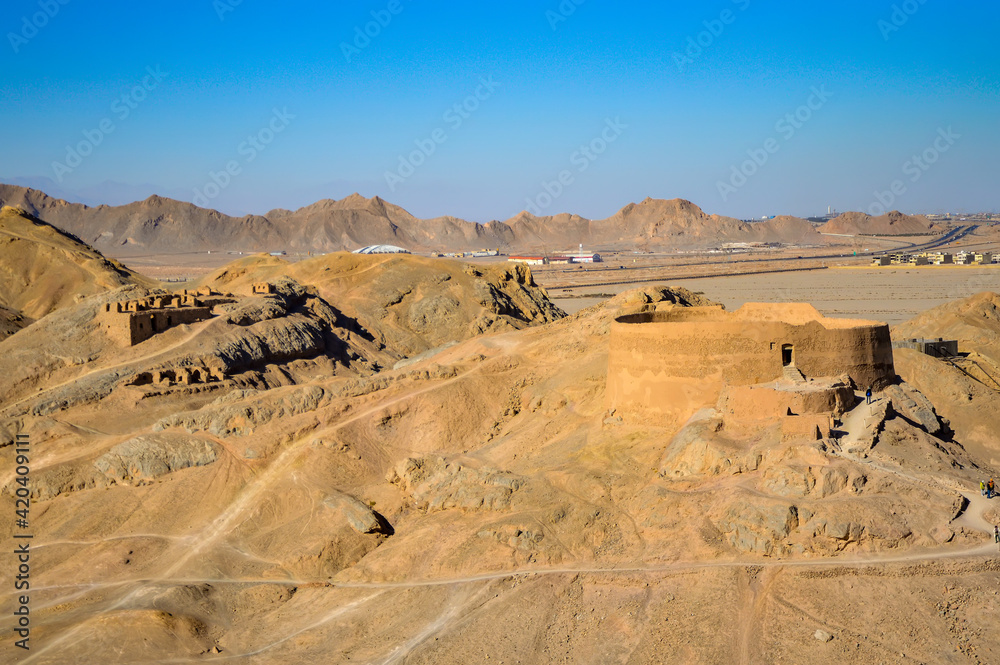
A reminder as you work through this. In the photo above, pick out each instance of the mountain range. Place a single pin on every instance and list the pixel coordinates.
(165, 225)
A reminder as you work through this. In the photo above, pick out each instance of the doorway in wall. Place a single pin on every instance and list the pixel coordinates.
(787, 355)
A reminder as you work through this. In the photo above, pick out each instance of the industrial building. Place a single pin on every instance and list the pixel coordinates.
(938, 348)
(381, 249)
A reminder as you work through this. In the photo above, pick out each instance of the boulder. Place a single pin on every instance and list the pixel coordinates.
(914, 406)
(360, 517)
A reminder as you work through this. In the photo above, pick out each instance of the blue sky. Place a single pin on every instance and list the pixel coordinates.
(619, 101)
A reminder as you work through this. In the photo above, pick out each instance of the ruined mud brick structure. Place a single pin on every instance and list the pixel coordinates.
(666, 364)
(263, 288)
(185, 376)
(135, 321)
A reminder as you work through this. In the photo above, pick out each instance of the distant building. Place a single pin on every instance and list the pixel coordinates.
(529, 260)
(381, 249)
(881, 261)
(938, 348)
(584, 257)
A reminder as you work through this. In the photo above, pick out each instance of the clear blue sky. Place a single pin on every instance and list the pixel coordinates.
(557, 83)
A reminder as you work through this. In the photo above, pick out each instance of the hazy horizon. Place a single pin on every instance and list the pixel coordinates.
(113, 194)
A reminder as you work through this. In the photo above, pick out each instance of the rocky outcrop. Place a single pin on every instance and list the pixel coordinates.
(757, 528)
(145, 458)
(360, 517)
(910, 403)
(239, 412)
(700, 448)
(11, 321)
(434, 484)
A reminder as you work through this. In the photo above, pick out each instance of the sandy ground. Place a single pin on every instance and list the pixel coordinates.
(594, 558)
(892, 295)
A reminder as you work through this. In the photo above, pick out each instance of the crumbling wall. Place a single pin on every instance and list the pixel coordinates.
(770, 401)
(667, 364)
(129, 328)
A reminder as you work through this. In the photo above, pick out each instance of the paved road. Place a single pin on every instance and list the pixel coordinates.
(952, 236)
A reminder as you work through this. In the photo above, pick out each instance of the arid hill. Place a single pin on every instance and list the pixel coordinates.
(11, 322)
(323, 503)
(43, 269)
(656, 223)
(156, 224)
(894, 223)
(356, 222)
(965, 390)
(974, 321)
(411, 304)
(164, 225)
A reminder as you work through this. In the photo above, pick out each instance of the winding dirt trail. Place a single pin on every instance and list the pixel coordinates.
(227, 519)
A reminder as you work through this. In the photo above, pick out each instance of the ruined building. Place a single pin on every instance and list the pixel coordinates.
(134, 321)
(667, 364)
(184, 376)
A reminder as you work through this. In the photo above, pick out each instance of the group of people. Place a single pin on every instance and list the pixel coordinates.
(987, 488)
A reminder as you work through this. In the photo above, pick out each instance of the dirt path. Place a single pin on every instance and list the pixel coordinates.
(226, 520)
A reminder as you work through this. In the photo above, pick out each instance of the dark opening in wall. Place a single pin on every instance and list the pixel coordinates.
(787, 355)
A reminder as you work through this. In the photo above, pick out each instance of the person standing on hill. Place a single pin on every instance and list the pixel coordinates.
(989, 489)
(868, 396)
(996, 535)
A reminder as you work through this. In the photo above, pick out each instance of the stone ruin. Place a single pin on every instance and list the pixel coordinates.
(132, 322)
(263, 288)
(185, 376)
(784, 362)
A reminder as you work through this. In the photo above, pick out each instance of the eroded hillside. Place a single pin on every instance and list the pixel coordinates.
(43, 269)
(476, 501)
